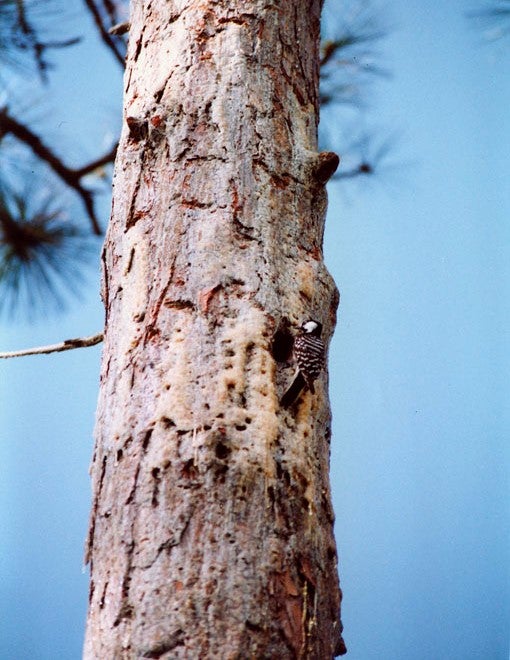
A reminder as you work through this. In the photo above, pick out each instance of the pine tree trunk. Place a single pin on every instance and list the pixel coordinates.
(211, 532)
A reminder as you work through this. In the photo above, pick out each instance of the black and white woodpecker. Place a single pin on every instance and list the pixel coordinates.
(309, 354)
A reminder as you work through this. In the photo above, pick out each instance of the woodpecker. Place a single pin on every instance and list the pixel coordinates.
(308, 353)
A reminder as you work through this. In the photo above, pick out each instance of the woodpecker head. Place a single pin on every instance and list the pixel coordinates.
(311, 327)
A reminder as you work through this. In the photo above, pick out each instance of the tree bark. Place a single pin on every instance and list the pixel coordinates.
(211, 532)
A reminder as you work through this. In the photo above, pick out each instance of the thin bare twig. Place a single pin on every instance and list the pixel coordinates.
(99, 162)
(111, 10)
(66, 345)
(91, 6)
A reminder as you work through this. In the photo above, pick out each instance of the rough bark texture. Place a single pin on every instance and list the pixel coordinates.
(211, 533)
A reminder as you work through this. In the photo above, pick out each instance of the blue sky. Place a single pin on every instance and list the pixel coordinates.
(419, 370)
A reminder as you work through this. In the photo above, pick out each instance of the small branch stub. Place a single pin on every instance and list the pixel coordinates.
(326, 166)
(119, 29)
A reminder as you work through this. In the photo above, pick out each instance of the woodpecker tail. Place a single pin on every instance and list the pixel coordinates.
(298, 384)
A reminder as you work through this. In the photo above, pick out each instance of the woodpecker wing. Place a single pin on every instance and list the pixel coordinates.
(309, 352)
(294, 391)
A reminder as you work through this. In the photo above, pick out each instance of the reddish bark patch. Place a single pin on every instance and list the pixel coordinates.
(157, 120)
(205, 297)
(289, 610)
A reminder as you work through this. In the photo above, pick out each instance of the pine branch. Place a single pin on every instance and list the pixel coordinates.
(111, 10)
(29, 33)
(66, 345)
(105, 36)
(72, 177)
(38, 47)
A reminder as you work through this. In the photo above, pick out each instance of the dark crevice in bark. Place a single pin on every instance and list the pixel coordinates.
(189, 472)
(222, 451)
(155, 472)
(93, 515)
(138, 128)
(151, 330)
(169, 543)
(180, 304)
(147, 439)
(126, 609)
(133, 216)
(159, 94)
(131, 260)
(105, 294)
(280, 180)
(103, 596)
(131, 496)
